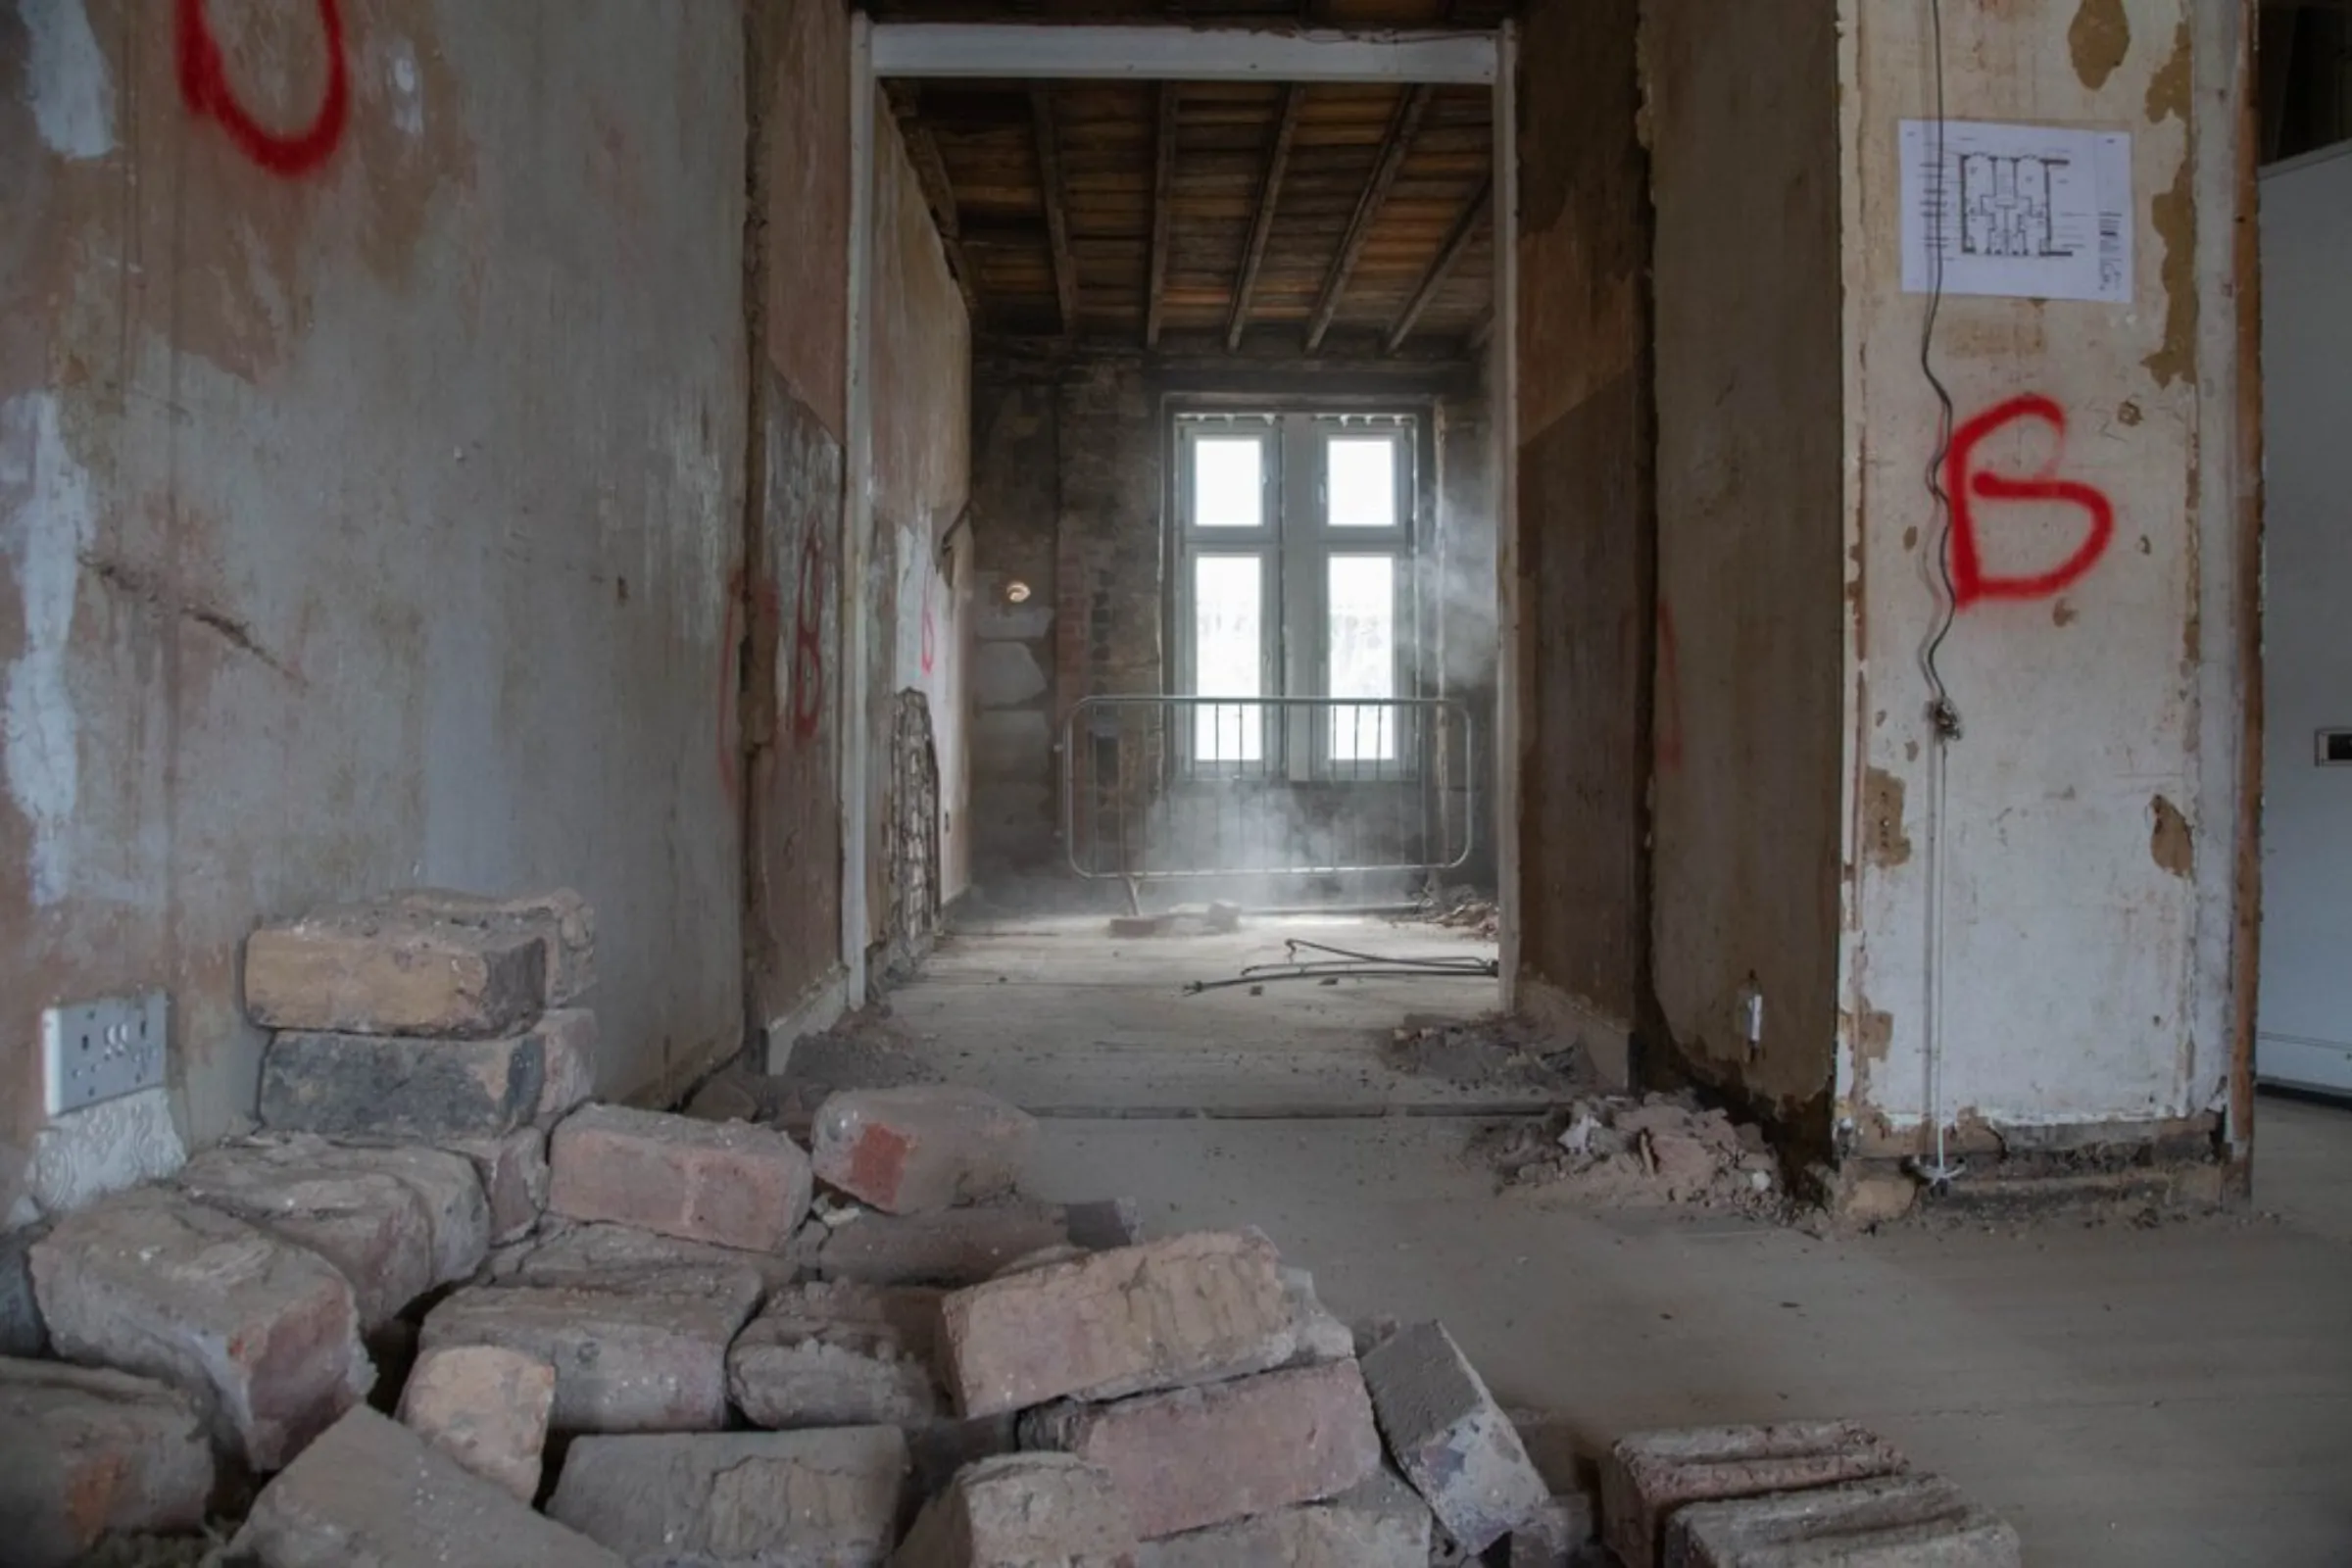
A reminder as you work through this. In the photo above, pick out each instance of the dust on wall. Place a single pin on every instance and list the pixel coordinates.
(920, 559)
(369, 496)
(1740, 107)
(2090, 827)
(1585, 511)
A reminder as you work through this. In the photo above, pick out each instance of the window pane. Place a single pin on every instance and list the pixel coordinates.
(1361, 479)
(1228, 657)
(1229, 489)
(1364, 656)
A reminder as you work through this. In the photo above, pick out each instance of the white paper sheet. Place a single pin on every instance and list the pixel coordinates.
(2024, 212)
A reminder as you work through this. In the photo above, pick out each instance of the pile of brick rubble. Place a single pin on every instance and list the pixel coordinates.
(595, 1335)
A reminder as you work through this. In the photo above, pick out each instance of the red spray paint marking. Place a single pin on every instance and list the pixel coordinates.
(809, 642)
(1970, 580)
(204, 87)
(930, 628)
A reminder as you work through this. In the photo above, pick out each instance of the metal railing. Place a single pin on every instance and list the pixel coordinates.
(1157, 787)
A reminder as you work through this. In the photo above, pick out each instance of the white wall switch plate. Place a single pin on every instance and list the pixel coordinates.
(96, 1051)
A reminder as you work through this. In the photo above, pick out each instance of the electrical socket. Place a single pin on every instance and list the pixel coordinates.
(103, 1049)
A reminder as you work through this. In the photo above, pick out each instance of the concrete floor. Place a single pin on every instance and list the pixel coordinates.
(2175, 1395)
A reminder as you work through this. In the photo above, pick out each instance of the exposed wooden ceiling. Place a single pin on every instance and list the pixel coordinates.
(1254, 218)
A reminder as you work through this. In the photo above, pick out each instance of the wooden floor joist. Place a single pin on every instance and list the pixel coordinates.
(1465, 229)
(1058, 225)
(1261, 226)
(939, 192)
(1394, 147)
(1164, 200)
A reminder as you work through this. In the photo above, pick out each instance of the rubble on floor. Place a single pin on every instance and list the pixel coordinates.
(1493, 1053)
(1623, 1150)
(672, 1353)
(1462, 908)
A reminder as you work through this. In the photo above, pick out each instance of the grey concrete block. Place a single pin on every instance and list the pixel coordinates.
(1451, 1439)
(86, 1452)
(1908, 1521)
(371, 1492)
(739, 1500)
(1649, 1475)
(347, 1085)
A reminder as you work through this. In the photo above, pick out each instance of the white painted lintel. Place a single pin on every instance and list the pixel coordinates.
(1029, 50)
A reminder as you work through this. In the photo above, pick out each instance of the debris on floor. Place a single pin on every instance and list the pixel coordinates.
(703, 1342)
(1189, 919)
(1462, 908)
(1655, 1150)
(1329, 966)
(1491, 1053)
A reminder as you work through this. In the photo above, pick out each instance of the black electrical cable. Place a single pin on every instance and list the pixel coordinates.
(1945, 714)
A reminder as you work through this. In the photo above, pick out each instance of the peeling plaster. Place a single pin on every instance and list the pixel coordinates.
(46, 522)
(1883, 818)
(2171, 844)
(2100, 37)
(66, 83)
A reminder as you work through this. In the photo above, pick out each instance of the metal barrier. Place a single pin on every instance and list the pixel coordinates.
(1157, 787)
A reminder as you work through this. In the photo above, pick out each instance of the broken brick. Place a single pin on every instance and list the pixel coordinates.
(370, 1491)
(513, 1175)
(1189, 1309)
(733, 1184)
(1648, 1476)
(1890, 1520)
(487, 1407)
(922, 1148)
(568, 1063)
(739, 1500)
(1024, 1510)
(638, 1353)
(1379, 1524)
(1203, 1456)
(375, 971)
(264, 1334)
(93, 1452)
(609, 1255)
(1451, 1439)
(786, 1372)
(397, 1222)
(561, 920)
(380, 1086)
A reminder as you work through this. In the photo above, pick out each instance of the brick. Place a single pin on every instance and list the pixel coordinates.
(1321, 1335)
(739, 1500)
(22, 1331)
(1908, 1521)
(911, 1311)
(565, 1254)
(1024, 1510)
(1559, 1536)
(374, 971)
(369, 1086)
(1188, 1309)
(397, 1222)
(922, 1148)
(1380, 1524)
(512, 1172)
(561, 919)
(92, 1452)
(488, 1408)
(1451, 1439)
(640, 1354)
(263, 1334)
(567, 1039)
(957, 1247)
(1203, 1456)
(787, 1372)
(1647, 1476)
(371, 1492)
(731, 1184)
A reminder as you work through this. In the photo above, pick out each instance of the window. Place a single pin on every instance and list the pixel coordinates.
(1294, 543)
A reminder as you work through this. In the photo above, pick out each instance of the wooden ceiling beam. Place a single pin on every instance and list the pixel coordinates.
(1400, 141)
(1465, 229)
(1261, 224)
(1163, 202)
(1057, 224)
(939, 191)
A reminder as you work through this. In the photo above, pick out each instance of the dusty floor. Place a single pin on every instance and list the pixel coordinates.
(2178, 1394)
